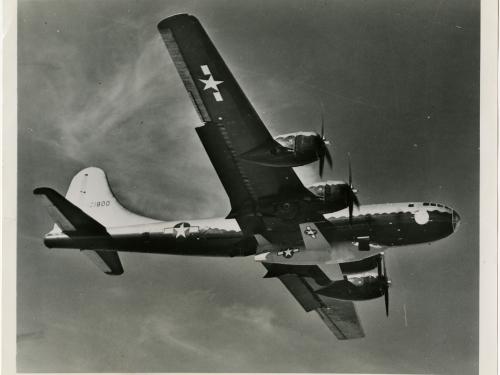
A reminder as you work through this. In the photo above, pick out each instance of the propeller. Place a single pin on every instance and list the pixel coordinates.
(322, 151)
(386, 283)
(352, 199)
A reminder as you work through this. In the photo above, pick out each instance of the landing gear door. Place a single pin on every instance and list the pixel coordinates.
(313, 238)
(316, 249)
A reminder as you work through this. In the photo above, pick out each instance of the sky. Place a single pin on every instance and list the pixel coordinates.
(399, 83)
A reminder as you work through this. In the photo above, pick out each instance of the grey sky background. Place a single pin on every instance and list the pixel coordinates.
(399, 81)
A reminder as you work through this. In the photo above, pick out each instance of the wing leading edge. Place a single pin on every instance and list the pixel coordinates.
(302, 282)
(231, 125)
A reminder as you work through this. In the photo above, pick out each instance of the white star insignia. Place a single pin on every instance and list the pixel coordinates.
(288, 253)
(211, 83)
(311, 232)
(181, 231)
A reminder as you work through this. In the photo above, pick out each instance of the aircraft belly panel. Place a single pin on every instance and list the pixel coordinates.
(218, 244)
(338, 252)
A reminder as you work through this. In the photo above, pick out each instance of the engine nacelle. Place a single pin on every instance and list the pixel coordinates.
(362, 281)
(302, 143)
(287, 150)
(357, 287)
(360, 266)
(334, 194)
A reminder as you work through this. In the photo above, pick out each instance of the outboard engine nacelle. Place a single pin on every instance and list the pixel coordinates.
(290, 150)
(355, 288)
(363, 280)
(302, 143)
(334, 194)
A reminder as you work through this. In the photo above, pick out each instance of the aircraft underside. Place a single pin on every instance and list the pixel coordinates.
(224, 238)
(289, 228)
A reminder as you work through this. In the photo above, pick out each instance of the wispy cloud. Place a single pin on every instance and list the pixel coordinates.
(256, 318)
(35, 335)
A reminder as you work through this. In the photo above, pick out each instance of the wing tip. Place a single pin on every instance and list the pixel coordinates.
(44, 191)
(170, 21)
(114, 273)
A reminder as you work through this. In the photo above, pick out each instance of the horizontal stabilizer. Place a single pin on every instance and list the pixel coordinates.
(107, 261)
(67, 216)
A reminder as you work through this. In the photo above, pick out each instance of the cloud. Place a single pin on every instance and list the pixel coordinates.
(35, 335)
(255, 318)
(171, 334)
(110, 101)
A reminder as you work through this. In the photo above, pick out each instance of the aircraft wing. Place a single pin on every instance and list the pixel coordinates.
(231, 125)
(302, 281)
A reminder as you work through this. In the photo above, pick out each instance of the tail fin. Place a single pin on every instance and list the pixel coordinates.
(88, 210)
(74, 222)
(89, 190)
(69, 218)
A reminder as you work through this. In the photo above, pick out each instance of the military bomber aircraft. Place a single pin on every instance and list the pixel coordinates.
(290, 229)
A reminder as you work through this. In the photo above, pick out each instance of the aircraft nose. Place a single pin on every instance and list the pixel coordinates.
(455, 220)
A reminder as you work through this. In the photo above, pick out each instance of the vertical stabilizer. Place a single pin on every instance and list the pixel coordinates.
(89, 190)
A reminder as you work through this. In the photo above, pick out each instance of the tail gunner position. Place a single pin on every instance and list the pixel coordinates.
(292, 230)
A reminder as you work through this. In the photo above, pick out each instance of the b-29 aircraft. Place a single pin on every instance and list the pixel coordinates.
(290, 229)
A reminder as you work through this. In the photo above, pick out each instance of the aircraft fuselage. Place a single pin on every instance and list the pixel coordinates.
(386, 225)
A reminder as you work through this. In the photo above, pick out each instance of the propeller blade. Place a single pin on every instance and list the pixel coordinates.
(386, 285)
(322, 120)
(321, 164)
(386, 299)
(385, 269)
(350, 170)
(328, 156)
(355, 200)
(322, 126)
(321, 146)
(350, 211)
(352, 198)
(379, 266)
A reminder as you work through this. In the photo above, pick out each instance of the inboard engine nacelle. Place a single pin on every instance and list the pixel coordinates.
(335, 195)
(290, 150)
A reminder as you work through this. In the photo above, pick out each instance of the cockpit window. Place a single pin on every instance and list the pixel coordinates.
(411, 205)
(426, 204)
(440, 205)
(433, 204)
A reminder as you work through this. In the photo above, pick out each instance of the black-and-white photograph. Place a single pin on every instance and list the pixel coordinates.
(248, 186)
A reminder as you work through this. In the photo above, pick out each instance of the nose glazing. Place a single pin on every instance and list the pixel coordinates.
(455, 220)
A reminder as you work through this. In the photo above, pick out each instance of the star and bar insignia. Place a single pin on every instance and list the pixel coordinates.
(211, 83)
(311, 232)
(288, 253)
(182, 230)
